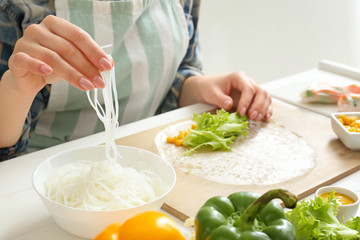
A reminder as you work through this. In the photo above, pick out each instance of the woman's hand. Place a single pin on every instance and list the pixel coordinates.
(54, 50)
(233, 90)
(48, 52)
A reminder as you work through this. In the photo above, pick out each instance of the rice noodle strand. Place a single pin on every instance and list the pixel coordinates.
(109, 117)
(104, 185)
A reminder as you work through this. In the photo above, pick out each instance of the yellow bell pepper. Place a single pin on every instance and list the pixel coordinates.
(149, 225)
(110, 232)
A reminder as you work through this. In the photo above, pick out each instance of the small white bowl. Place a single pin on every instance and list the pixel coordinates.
(347, 211)
(89, 223)
(349, 139)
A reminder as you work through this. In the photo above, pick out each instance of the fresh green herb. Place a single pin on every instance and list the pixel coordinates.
(316, 219)
(354, 223)
(309, 93)
(216, 132)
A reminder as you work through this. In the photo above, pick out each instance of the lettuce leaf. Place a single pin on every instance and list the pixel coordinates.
(215, 132)
(354, 223)
(316, 219)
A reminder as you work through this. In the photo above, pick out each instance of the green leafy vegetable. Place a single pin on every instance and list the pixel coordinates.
(354, 223)
(216, 132)
(316, 219)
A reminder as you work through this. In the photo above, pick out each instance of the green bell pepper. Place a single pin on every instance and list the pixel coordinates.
(245, 215)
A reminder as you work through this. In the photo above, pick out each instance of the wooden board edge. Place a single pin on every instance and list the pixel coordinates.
(328, 182)
(181, 216)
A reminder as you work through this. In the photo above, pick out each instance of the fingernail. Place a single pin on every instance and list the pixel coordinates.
(227, 104)
(253, 115)
(111, 60)
(105, 64)
(243, 111)
(268, 116)
(46, 69)
(259, 117)
(98, 82)
(86, 84)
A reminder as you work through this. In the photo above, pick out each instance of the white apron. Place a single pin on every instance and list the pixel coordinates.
(149, 39)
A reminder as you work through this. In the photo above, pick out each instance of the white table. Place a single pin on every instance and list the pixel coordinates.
(23, 215)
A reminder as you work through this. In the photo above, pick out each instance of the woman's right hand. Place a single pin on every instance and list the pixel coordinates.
(55, 50)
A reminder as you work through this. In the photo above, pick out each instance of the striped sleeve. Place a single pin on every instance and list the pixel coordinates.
(191, 64)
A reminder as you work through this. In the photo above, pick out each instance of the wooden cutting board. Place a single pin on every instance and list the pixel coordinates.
(333, 162)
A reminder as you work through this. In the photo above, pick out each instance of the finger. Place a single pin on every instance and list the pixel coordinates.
(80, 39)
(224, 102)
(260, 105)
(256, 108)
(67, 51)
(267, 108)
(269, 113)
(22, 64)
(221, 100)
(76, 59)
(214, 96)
(244, 85)
(60, 67)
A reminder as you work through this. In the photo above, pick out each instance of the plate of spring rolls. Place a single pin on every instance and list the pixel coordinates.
(346, 97)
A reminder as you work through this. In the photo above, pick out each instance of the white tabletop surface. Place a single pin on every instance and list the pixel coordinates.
(23, 215)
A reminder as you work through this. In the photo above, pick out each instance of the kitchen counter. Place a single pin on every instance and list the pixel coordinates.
(23, 215)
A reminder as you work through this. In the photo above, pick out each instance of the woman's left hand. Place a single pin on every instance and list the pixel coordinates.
(234, 90)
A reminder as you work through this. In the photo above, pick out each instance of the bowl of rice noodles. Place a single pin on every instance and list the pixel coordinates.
(87, 188)
(84, 192)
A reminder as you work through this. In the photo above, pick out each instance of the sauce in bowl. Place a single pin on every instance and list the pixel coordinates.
(340, 198)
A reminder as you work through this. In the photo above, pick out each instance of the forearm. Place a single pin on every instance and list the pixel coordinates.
(14, 107)
(190, 91)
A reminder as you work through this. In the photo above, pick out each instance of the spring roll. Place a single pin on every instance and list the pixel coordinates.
(349, 103)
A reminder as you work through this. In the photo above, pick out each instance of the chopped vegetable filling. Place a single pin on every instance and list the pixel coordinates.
(215, 132)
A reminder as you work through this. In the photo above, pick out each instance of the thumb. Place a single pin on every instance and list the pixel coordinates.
(222, 100)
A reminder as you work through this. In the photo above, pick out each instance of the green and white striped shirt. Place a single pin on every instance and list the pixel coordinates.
(34, 11)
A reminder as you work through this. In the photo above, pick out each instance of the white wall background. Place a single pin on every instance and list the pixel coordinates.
(270, 39)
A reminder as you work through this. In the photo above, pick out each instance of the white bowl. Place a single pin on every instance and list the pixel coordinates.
(347, 211)
(349, 139)
(89, 223)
